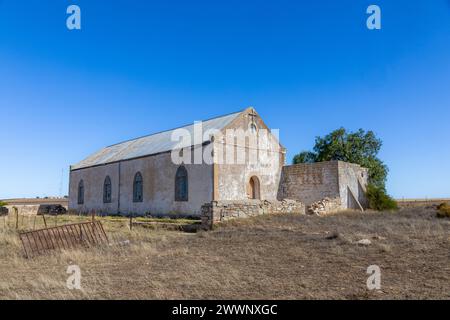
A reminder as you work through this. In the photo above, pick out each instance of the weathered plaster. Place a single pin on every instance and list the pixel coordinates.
(158, 174)
(233, 178)
(311, 182)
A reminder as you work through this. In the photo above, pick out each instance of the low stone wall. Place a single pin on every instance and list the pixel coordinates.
(217, 211)
(325, 206)
(27, 210)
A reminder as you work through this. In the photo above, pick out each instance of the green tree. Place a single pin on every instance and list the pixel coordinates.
(379, 199)
(305, 157)
(359, 147)
(2, 203)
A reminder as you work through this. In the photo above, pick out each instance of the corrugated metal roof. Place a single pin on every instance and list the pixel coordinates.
(148, 145)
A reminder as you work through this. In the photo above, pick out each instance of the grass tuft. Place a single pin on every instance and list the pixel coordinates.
(443, 210)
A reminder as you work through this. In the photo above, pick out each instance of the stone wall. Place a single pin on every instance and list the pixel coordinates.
(26, 209)
(217, 211)
(309, 182)
(325, 206)
(342, 184)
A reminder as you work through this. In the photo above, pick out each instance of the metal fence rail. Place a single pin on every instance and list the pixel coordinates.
(67, 236)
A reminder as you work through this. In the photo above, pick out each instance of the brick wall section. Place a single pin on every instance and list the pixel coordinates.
(337, 181)
(217, 211)
(309, 182)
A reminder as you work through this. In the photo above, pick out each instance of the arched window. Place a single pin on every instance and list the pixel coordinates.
(107, 190)
(81, 192)
(137, 188)
(181, 184)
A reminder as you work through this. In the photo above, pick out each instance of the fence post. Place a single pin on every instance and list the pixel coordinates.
(16, 211)
(131, 221)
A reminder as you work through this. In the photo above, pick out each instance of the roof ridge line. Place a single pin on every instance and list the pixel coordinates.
(179, 127)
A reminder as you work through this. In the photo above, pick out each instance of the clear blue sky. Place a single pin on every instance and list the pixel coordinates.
(137, 67)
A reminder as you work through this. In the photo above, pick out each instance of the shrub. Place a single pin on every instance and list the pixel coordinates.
(443, 210)
(2, 203)
(379, 200)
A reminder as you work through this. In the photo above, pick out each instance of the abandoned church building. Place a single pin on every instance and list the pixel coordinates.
(140, 177)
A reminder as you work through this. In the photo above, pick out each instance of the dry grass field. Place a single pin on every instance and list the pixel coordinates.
(267, 257)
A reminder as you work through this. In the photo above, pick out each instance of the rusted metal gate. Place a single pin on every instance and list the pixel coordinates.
(67, 236)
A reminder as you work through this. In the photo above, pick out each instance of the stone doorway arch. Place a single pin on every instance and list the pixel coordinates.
(253, 189)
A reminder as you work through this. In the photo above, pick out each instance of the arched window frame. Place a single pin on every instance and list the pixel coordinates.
(181, 184)
(81, 192)
(107, 190)
(138, 188)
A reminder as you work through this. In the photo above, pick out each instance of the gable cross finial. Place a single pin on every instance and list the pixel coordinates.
(252, 115)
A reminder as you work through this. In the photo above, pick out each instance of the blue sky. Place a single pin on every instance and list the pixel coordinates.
(137, 67)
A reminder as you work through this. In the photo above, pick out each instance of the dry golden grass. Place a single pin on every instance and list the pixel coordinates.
(267, 257)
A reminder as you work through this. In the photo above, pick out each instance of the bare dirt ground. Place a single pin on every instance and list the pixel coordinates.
(267, 257)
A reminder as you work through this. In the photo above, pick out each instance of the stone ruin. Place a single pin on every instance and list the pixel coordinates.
(218, 211)
(324, 207)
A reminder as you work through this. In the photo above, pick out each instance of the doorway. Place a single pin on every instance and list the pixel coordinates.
(254, 188)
